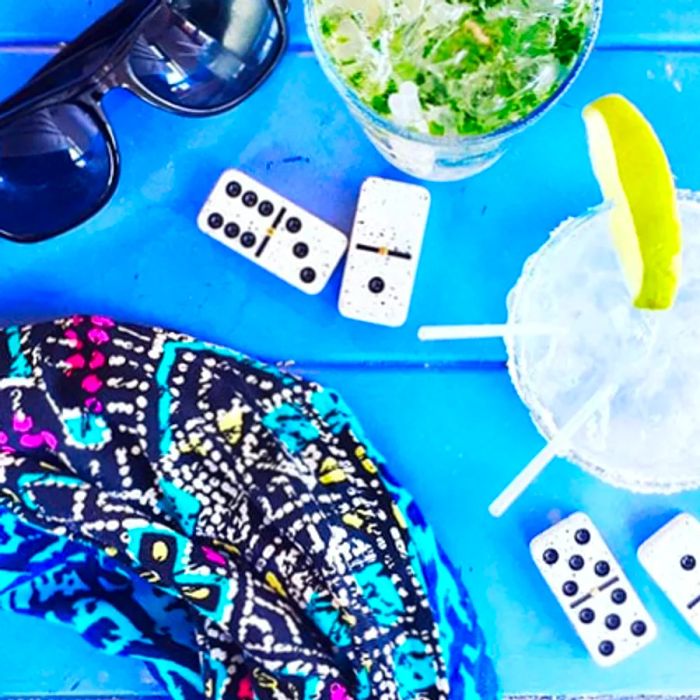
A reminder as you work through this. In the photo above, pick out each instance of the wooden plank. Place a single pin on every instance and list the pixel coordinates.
(455, 438)
(625, 22)
(630, 23)
(49, 21)
(143, 259)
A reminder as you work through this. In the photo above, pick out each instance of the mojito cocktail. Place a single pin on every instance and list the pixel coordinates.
(438, 84)
(647, 437)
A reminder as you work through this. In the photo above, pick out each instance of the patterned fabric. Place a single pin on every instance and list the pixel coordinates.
(200, 499)
(50, 577)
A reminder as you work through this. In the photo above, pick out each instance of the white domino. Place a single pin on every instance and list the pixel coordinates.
(672, 558)
(272, 232)
(385, 247)
(592, 589)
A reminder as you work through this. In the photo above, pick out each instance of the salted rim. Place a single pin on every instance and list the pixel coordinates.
(540, 415)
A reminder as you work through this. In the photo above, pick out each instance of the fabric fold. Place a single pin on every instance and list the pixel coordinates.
(246, 497)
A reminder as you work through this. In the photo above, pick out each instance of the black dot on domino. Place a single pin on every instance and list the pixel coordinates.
(248, 239)
(576, 562)
(638, 628)
(602, 568)
(688, 562)
(582, 536)
(612, 622)
(266, 208)
(308, 275)
(300, 250)
(250, 199)
(293, 225)
(376, 285)
(231, 230)
(586, 616)
(606, 647)
(215, 220)
(550, 556)
(233, 189)
(618, 596)
(570, 588)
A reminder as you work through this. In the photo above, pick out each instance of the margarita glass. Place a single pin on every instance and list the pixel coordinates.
(438, 86)
(645, 434)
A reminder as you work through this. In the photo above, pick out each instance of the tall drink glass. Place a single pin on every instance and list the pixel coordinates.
(647, 437)
(470, 139)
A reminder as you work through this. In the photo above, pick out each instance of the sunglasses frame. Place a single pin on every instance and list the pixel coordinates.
(117, 31)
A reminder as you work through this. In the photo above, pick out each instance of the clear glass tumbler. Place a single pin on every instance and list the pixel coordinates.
(437, 157)
(645, 434)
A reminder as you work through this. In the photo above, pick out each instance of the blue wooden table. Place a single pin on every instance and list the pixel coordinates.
(445, 414)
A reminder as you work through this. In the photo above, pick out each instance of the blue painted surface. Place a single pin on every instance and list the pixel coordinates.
(445, 415)
(626, 22)
(479, 234)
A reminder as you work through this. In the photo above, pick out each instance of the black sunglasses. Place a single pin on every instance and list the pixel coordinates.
(59, 162)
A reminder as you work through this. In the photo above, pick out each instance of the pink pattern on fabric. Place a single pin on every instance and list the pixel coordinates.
(94, 405)
(73, 339)
(4, 447)
(22, 423)
(83, 335)
(245, 689)
(98, 336)
(76, 362)
(50, 439)
(97, 360)
(37, 440)
(213, 556)
(92, 383)
(339, 692)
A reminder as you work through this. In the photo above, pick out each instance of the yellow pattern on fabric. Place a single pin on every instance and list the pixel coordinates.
(331, 473)
(230, 424)
(274, 583)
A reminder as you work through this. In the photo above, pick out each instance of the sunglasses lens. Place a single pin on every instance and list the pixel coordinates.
(208, 53)
(55, 168)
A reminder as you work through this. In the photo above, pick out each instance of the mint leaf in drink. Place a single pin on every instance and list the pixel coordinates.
(357, 78)
(380, 104)
(328, 25)
(474, 65)
(569, 38)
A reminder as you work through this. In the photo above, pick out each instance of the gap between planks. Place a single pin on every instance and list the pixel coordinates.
(621, 696)
(653, 45)
(53, 47)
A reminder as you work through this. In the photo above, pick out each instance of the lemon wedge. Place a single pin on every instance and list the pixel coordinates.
(634, 174)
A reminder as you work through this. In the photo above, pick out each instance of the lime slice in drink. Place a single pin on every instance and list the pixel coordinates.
(634, 174)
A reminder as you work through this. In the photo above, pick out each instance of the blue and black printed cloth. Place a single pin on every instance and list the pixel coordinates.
(222, 520)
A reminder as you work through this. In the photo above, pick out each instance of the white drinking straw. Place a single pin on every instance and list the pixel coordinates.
(486, 330)
(559, 442)
(554, 448)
